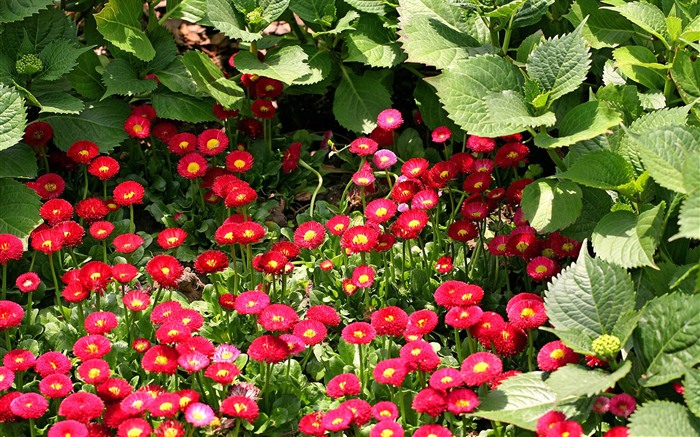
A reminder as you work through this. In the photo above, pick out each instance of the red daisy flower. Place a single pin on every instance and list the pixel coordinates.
(104, 167)
(363, 146)
(278, 317)
(481, 144)
(171, 238)
(134, 427)
(127, 243)
(239, 161)
(37, 134)
(542, 268)
(361, 411)
(419, 355)
(359, 239)
(445, 379)
(324, 314)
(29, 406)
(263, 108)
(498, 246)
(554, 355)
(441, 134)
(251, 128)
(389, 119)
(511, 154)
(141, 345)
(91, 347)
(11, 248)
(385, 242)
(173, 331)
(290, 159)
(28, 282)
(422, 322)
(363, 178)
(461, 401)
(548, 420)
(144, 111)
(514, 192)
(380, 210)
(192, 166)
(311, 425)
(444, 264)
(7, 377)
(385, 410)
(383, 158)
(363, 276)
(510, 340)
(11, 314)
(222, 373)
(267, 87)
(95, 275)
(345, 384)
(128, 193)
(249, 232)
(337, 419)
(311, 332)
(480, 367)
(477, 183)
(83, 152)
(19, 360)
(224, 114)
(390, 320)
(160, 359)
(55, 211)
(240, 196)
(523, 245)
(165, 269)
(268, 349)
(404, 191)
(617, 431)
(483, 166)
(410, 223)
(565, 428)
(414, 167)
(100, 322)
(211, 261)
(358, 333)
(137, 126)
(430, 401)
(387, 428)
(212, 142)
(47, 241)
(182, 143)
(251, 302)
(164, 131)
(475, 210)
(309, 235)
(72, 233)
(527, 314)
(92, 209)
(114, 389)
(124, 273)
(463, 317)
(48, 186)
(425, 200)
(94, 371)
(68, 428)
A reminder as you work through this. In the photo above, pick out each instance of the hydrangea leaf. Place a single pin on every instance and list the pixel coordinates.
(16, 10)
(686, 74)
(531, 12)
(646, 16)
(59, 102)
(461, 89)
(120, 77)
(691, 394)
(20, 212)
(316, 13)
(431, 110)
(372, 44)
(377, 7)
(511, 106)
(188, 10)
(18, 161)
(665, 418)
(181, 107)
(229, 21)
(559, 65)
(286, 65)
(37, 31)
(666, 338)
(211, 80)
(85, 79)
(13, 118)
(550, 205)
(585, 121)
(101, 122)
(120, 23)
(601, 169)
(574, 381)
(589, 297)
(359, 99)
(604, 28)
(689, 218)
(177, 78)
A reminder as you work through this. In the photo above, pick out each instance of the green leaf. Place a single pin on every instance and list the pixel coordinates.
(319, 12)
(622, 98)
(663, 153)
(602, 169)
(285, 65)
(560, 64)
(409, 143)
(431, 32)
(431, 110)
(463, 85)
(178, 79)
(102, 123)
(13, 118)
(531, 12)
(36, 32)
(18, 161)
(120, 77)
(639, 64)
(528, 45)
(272, 9)
(585, 121)
(176, 106)
(666, 338)
(689, 218)
(378, 7)
(188, 10)
(503, 12)
(550, 205)
(627, 239)
(691, 32)
(511, 106)
(604, 28)
(343, 24)
(663, 418)
(686, 74)
(59, 102)
(120, 23)
(359, 99)
(574, 381)
(211, 80)
(646, 16)
(372, 44)
(16, 10)
(85, 79)
(229, 21)
(59, 58)
(589, 298)
(20, 212)
(166, 49)
(596, 204)
(321, 65)
(520, 400)
(691, 393)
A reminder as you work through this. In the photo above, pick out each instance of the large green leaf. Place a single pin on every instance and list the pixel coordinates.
(315, 13)
(59, 58)
(13, 118)
(165, 46)
(602, 169)
(550, 205)
(531, 12)
(16, 10)
(36, 32)
(646, 16)
(686, 74)
(18, 161)
(627, 239)
(85, 79)
(120, 23)
(585, 121)
(176, 106)
(691, 384)
(188, 10)
(663, 418)
(211, 80)
(343, 24)
(285, 65)
(663, 152)
(640, 65)
(689, 217)
(560, 65)
(520, 400)
(321, 65)
(229, 21)
(177, 78)
(575, 381)
(359, 99)
(59, 102)
(462, 88)
(604, 28)
(431, 110)
(102, 123)
(372, 44)
(20, 212)
(666, 338)
(596, 204)
(590, 298)
(432, 32)
(511, 106)
(378, 7)
(122, 78)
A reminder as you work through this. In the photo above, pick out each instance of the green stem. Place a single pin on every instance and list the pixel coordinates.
(237, 430)
(530, 351)
(29, 308)
(362, 367)
(458, 346)
(85, 181)
(132, 226)
(4, 281)
(318, 186)
(55, 282)
(235, 269)
(556, 159)
(8, 345)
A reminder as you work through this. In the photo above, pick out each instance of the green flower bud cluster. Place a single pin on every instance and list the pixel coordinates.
(606, 346)
(28, 65)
